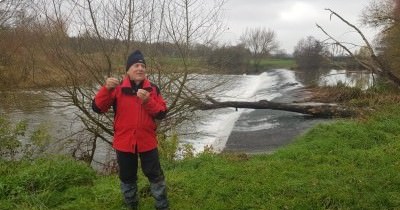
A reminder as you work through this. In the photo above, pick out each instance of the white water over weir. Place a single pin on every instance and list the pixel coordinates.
(215, 126)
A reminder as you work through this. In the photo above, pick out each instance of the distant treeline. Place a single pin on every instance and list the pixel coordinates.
(26, 53)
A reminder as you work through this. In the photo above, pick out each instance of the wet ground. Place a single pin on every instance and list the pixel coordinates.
(281, 127)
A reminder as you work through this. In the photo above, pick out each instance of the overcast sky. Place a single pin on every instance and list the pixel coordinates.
(293, 20)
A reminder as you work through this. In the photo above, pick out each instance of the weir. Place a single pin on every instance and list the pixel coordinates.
(215, 126)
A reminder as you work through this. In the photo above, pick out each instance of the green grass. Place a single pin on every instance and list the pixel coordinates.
(274, 63)
(340, 165)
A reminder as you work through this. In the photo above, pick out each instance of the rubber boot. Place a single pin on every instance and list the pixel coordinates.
(129, 191)
(159, 192)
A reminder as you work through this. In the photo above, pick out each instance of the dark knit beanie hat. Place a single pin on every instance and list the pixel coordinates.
(135, 57)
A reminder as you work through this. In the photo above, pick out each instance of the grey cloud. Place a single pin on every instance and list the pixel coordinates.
(256, 13)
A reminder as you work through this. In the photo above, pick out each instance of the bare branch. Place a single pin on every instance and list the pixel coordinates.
(336, 42)
(316, 110)
(376, 65)
(368, 45)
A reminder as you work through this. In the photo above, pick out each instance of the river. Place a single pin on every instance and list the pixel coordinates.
(222, 129)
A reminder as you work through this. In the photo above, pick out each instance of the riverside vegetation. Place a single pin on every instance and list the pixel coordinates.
(345, 164)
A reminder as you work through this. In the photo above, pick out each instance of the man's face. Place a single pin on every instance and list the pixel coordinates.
(137, 72)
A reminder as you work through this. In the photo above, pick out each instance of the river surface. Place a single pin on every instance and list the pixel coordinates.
(245, 130)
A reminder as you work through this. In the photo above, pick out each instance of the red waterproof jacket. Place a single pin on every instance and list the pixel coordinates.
(134, 125)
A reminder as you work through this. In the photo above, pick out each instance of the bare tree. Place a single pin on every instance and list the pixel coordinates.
(260, 42)
(9, 10)
(379, 14)
(374, 63)
(111, 29)
(103, 32)
(385, 15)
(310, 53)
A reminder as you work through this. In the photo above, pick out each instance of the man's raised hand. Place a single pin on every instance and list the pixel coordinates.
(111, 83)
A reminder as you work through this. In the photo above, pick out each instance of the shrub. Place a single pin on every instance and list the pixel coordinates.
(14, 146)
(51, 174)
(9, 143)
(168, 146)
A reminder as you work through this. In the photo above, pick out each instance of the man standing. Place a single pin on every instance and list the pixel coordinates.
(137, 103)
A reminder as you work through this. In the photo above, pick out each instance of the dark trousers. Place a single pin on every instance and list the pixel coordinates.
(150, 163)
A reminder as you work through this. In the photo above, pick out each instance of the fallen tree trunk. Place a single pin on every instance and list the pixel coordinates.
(313, 109)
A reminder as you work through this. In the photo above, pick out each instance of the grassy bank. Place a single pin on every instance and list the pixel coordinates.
(341, 165)
(277, 63)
